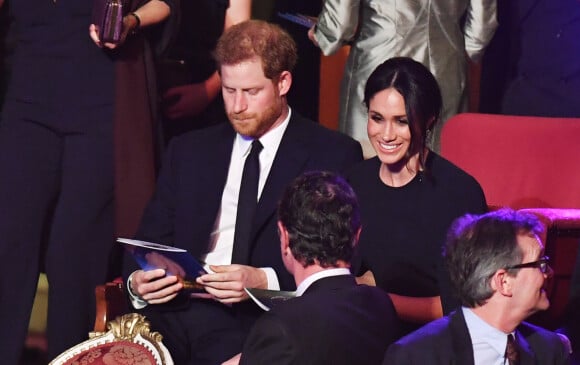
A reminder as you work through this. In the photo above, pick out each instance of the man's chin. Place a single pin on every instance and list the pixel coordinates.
(243, 128)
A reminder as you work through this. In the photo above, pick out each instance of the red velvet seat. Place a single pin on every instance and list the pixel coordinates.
(128, 340)
(532, 163)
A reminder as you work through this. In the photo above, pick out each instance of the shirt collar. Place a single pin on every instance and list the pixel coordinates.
(305, 284)
(481, 331)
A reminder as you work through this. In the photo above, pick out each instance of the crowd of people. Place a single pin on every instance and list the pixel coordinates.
(394, 259)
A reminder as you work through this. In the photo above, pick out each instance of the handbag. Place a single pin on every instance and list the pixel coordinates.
(108, 19)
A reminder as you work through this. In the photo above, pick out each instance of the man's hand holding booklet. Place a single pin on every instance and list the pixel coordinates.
(174, 260)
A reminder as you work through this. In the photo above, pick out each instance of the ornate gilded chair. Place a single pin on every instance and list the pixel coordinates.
(128, 340)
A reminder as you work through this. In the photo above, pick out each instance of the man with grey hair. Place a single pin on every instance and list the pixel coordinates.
(499, 270)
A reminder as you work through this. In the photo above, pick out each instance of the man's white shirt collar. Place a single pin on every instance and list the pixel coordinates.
(305, 284)
(483, 335)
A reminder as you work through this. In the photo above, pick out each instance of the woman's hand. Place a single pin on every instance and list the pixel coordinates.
(152, 12)
(192, 99)
(311, 35)
(130, 24)
(367, 278)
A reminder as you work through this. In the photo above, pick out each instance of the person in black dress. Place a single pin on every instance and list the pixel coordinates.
(409, 195)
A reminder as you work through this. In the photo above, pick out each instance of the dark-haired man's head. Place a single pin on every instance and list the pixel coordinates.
(319, 221)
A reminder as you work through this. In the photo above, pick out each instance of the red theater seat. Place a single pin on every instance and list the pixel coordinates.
(530, 163)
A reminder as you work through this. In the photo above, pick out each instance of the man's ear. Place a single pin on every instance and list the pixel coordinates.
(284, 83)
(501, 282)
(357, 236)
(284, 240)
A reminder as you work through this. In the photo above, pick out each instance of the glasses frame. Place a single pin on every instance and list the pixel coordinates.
(543, 264)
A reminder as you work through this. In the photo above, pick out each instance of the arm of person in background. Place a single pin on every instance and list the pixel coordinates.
(410, 309)
(152, 12)
(337, 24)
(480, 25)
(192, 99)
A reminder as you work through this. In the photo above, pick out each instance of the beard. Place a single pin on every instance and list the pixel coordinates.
(255, 125)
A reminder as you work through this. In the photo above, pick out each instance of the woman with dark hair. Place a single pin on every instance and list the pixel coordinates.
(441, 34)
(408, 194)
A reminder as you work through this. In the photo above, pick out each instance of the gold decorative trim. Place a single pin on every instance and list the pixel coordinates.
(127, 326)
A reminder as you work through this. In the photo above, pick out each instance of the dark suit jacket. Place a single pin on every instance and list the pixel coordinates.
(447, 341)
(185, 205)
(335, 322)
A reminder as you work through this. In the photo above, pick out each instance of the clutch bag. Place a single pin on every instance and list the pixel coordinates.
(108, 19)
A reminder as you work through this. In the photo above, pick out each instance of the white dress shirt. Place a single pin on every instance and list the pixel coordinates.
(222, 238)
(489, 343)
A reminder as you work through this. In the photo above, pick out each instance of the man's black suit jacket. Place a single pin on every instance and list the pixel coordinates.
(447, 341)
(188, 196)
(334, 322)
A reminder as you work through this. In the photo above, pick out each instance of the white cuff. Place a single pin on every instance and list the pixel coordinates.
(136, 301)
(273, 283)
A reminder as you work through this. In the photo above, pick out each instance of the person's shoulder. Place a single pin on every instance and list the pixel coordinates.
(375, 299)
(361, 171)
(449, 173)
(440, 164)
(428, 336)
(320, 133)
(539, 337)
(204, 136)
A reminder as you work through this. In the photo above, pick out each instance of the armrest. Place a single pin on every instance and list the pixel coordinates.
(111, 302)
(556, 217)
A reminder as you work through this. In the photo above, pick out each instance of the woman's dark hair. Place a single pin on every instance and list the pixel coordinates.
(420, 91)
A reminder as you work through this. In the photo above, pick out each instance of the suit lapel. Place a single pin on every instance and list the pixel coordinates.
(291, 156)
(527, 355)
(210, 180)
(218, 160)
(461, 340)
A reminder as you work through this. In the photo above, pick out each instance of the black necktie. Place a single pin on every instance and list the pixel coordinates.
(247, 201)
(511, 351)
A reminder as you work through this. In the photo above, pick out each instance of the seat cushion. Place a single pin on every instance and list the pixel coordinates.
(114, 353)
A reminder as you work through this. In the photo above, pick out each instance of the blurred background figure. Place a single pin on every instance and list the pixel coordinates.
(533, 63)
(436, 33)
(5, 45)
(77, 160)
(304, 95)
(189, 83)
(408, 195)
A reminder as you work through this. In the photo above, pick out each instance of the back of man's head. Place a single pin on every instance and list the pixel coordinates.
(321, 214)
(255, 38)
(478, 246)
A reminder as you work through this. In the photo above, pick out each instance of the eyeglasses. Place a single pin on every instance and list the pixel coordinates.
(541, 264)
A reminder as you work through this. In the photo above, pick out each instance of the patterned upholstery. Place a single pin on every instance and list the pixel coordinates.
(128, 340)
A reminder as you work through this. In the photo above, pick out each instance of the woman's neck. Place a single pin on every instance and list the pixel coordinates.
(401, 173)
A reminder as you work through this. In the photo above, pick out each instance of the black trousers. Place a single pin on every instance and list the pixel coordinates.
(202, 332)
(56, 213)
